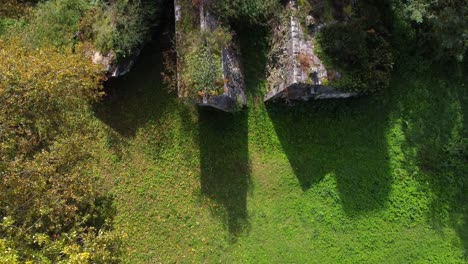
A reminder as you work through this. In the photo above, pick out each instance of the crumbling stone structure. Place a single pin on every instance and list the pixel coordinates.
(233, 96)
(113, 67)
(295, 72)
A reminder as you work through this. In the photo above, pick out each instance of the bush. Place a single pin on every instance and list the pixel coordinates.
(6, 23)
(254, 11)
(55, 22)
(52, 207)
(361, 54)
(441, 26)
(122, 26)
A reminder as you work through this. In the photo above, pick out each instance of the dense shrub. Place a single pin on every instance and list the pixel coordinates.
(441, 25)
(51, 203)
(322, 10)
(56, 21)
(121, 26)
(362, 55)
(256, 11)
(14, 8)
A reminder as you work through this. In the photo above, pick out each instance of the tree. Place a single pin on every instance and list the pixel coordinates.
(120, 26)
(55, 22)
(51, 206)
(442, 24)
(36, 87)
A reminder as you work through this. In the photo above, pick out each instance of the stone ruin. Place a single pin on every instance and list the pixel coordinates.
(297, 73)
(114, 68)
(234, 96)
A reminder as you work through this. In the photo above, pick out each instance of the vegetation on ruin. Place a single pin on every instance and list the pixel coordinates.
(200, 54)
(253, 12)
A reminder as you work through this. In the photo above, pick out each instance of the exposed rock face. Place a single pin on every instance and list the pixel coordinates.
(233, 97)
(299, 74)
(109, 62)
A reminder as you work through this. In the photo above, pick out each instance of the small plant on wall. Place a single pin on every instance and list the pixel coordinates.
(202, 62)
(204, 70)
(304, 60)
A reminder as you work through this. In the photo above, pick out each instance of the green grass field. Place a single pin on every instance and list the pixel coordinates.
(364, 180)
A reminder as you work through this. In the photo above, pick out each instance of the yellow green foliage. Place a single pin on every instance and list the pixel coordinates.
(7, 254)
(13, 9)
(36, 86)
(52, 207)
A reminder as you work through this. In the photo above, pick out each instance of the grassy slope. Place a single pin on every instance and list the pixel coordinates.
(322, 182)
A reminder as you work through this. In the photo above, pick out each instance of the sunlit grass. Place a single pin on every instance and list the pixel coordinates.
(320, 182)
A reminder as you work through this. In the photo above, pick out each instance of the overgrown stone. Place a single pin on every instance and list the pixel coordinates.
(295, 71)
(232, 97)
(114, 67)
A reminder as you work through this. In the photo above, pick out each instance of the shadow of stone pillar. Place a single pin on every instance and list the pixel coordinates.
(224, 165)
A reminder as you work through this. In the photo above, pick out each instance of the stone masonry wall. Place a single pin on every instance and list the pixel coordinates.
(234, 96)
(304, 73)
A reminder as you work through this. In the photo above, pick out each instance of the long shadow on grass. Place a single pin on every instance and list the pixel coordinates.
(224, 157)
(224, 164)
(343, 137)
(346, 138)
(435, 116)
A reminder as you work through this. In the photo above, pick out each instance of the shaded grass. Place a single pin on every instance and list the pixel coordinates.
(224, 164)
(136, 98)
(355, 153)
(434, 122)
(356, 181)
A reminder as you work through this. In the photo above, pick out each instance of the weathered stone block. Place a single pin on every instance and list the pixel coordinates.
(113, 67)
(297, 73)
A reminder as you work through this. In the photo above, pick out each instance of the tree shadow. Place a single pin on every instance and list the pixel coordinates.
(253, 46)
(460, 220)
(342, 137)
(139, 96)
(101, 213)
(224, 165)
(434, 113)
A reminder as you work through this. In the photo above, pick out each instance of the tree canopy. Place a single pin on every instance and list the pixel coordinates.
(50, 203)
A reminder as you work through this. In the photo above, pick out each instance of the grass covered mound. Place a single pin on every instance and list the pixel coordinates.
(369, 180)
